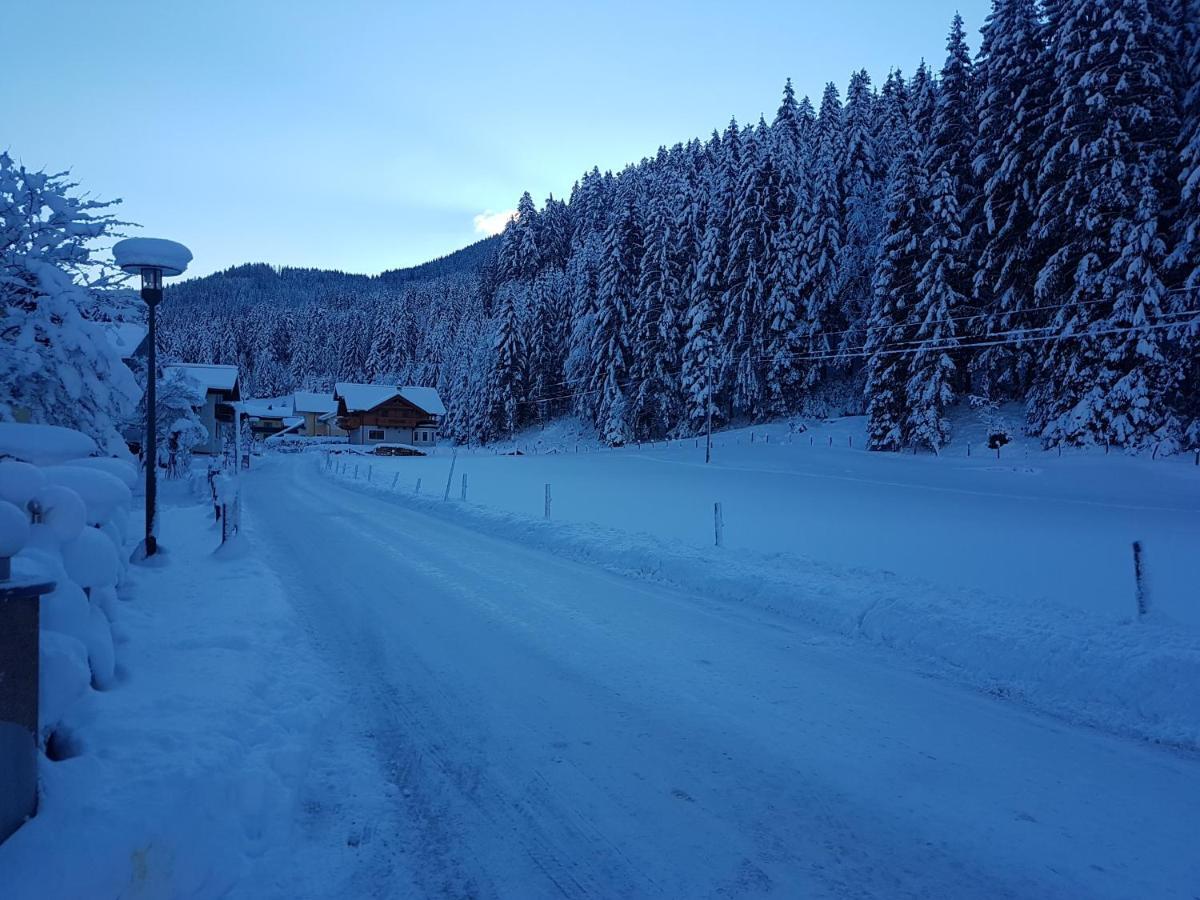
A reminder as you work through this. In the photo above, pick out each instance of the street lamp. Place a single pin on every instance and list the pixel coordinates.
(152, 258)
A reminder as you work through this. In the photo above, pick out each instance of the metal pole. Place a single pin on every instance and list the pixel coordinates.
(152, 296)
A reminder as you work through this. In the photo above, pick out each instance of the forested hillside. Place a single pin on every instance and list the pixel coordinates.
(1020, 225)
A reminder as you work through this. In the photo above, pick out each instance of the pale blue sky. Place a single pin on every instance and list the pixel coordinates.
(366, 136)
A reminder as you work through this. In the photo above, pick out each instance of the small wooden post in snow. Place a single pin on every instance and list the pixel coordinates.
(464, 486)
(547, 500)
(718, 525)
(450, 477)
(1139, 578)
(417, 489)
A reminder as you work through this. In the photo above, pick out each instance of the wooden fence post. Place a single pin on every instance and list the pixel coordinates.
(1139, 578)
(450, 477)
(718, 525)
(464, 486)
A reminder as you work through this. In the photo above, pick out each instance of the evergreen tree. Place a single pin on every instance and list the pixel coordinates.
(931, 366)
(1010, 104)
(616, 296)
(895, 297)
(861, 177)
(820, 280)
(509, 410)
(658, 317)
(1105, 184)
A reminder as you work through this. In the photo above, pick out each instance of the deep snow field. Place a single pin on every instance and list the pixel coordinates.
(1032, 524)
(899, 676)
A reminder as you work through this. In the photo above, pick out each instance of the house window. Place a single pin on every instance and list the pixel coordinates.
(375, 434)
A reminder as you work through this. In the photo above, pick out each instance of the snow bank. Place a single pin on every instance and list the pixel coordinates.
(1139, 678)
(45, 513)
(43, 445)
(190, 775)
(103, 494)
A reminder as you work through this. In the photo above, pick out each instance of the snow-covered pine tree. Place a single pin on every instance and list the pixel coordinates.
(519, 257)
(550, 298)
(509, 385)
(1186, 255)
(861, 177)
(1010, 102)
(1109, 174)
(56, 367)
(894, 299)
(784, 340)
(742, 332)
(703, 360)
(820, 279)
(658, 317)
(615, 298)
(951, 150)
(931, 363)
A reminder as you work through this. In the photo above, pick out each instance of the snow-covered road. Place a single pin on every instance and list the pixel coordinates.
(557, 730)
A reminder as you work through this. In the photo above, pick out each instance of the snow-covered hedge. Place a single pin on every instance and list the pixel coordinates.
(64, 518)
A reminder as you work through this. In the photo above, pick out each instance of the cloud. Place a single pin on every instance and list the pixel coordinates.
(488, 222)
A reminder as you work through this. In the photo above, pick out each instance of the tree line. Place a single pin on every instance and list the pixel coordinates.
(1020, 225)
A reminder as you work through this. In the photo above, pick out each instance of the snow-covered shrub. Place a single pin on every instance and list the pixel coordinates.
(56, 367)
(999, 430)
(66, 523)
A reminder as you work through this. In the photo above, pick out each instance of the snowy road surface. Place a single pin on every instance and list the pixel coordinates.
(555, 730)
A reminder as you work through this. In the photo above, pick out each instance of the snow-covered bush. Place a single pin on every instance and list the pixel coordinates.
(66, 523)
(56, 367)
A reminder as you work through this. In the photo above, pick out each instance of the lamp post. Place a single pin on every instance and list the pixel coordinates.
(152, 258)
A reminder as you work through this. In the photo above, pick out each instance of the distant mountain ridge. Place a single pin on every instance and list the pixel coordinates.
(267, 278)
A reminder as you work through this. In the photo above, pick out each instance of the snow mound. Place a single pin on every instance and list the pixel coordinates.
(19, 481)
(126, 471)
(90, 559)
(134, 254)
(103, 494)
(14, 529)
(43, 445)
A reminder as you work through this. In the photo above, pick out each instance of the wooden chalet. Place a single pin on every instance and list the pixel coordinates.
(383, 414)
(218, 385)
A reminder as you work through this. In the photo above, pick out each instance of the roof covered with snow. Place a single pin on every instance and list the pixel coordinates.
(425, 398)
(362, 397)
(267, 407)
(312, 402)
(124, 336)
(209, 376)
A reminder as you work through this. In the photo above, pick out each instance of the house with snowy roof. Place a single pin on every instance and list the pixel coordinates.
(319, 412)
(218, 384)
(270, 416)
(385, 414)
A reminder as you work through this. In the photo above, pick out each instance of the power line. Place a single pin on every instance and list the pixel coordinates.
(897, 349)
